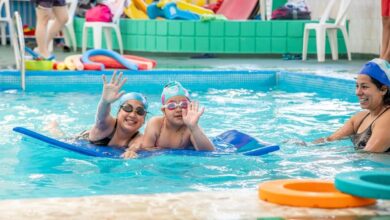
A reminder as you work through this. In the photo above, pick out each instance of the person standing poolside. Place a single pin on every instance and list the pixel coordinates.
(178, 128)
(369, 130)
(46, 10)
(385, 50)
(122, 131)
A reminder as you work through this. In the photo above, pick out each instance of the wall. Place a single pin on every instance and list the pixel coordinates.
(365, 23)
(364, 16)
(229, 37)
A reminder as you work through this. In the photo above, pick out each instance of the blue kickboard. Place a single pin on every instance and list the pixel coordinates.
(229, 142)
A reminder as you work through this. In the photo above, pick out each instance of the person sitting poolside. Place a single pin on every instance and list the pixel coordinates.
(122, 131)
(369, 130)
(178, 128)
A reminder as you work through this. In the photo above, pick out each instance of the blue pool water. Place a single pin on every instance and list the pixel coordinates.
(283, 108)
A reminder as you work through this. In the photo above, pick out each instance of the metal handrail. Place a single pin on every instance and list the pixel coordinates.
(18, 45)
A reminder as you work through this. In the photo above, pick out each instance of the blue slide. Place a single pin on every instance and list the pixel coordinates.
(229, 142)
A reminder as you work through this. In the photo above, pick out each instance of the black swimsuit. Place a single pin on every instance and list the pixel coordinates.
(106, 140)
(360, 140)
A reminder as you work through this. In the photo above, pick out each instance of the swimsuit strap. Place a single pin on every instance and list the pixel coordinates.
(379, 115)
(373, 120)
(134, 135)
(361, 121)
(113, 131)
(360, 140)
(103, 141)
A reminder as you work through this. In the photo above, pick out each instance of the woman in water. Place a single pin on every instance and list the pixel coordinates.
(369, 129)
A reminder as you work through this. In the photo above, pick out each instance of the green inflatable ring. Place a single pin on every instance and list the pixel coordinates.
(39, 64)
(366, 184)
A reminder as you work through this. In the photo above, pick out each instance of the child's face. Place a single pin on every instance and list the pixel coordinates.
(173, 109)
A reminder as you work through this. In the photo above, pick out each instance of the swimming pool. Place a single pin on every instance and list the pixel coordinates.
(279, 107)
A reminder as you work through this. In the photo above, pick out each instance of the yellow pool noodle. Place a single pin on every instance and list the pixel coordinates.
(76, 60)
(61, 66)
(69, 64)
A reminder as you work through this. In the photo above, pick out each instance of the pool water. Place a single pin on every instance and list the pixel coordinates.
(274, 113)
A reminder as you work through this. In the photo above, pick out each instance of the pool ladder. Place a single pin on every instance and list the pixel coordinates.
(18, 45)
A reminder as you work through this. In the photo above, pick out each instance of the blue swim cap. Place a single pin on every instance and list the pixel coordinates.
(172, 89)
(378, 69)
(134, 96)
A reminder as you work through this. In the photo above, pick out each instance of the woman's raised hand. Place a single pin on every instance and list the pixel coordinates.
(111, 90)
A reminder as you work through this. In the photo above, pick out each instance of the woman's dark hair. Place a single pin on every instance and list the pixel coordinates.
(379, 85)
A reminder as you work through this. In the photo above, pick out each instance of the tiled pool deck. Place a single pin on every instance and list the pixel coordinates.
(229, 204)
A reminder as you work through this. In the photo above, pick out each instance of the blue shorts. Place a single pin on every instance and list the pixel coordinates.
(49, 3)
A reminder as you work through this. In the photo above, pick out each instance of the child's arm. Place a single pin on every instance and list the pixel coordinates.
(151, 131)
(198, 138)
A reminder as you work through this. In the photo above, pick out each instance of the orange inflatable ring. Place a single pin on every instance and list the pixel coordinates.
(308, 193)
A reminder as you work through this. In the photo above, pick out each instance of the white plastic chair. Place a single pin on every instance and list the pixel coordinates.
(263, 9)
(323, 27)
(99, 27)
(4, 21)
(68, 30)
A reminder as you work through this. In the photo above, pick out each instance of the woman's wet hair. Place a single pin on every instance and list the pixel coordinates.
(379, 85)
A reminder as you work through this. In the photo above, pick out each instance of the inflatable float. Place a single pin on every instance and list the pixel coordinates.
(228, 142)
(39, 64)
(366, 184)
(186, 6)
(308, 193)
(170, 11)
(133, 12)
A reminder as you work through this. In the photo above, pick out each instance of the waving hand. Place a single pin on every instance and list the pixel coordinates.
(111, 90)
(192, 114)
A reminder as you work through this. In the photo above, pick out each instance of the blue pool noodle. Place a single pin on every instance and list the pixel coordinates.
(109, 53)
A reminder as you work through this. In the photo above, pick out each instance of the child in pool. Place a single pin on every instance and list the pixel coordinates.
(178, 127)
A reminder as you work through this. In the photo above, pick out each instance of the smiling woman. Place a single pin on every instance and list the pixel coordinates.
(369, 130)
(122, 131)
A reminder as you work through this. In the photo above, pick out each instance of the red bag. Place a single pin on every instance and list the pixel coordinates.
(99, 13)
